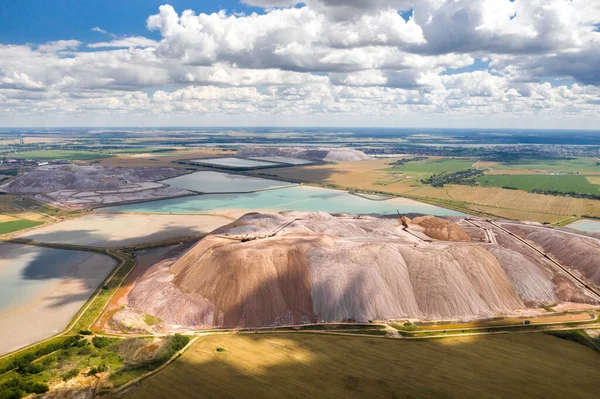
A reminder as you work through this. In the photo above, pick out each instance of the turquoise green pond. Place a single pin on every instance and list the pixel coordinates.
(298, 198)
(585, 225)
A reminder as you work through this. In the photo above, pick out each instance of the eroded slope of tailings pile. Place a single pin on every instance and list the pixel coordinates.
(289, 268)
(576, 251)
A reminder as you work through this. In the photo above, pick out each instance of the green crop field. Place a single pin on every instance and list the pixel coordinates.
(58, 154)
(567, 165)
(301, 365)
(563, 183)
(143, 150)
(16, 225)
(434, 166)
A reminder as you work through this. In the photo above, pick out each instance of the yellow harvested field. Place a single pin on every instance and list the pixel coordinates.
(513, 172)
(523, 201)
(430, 192)
(36, 217)
(371, 175)
(368, 175)
(298, 365)
(593, 179)
(519, 215)
(7, 218)
(36, 140)
(485, 164)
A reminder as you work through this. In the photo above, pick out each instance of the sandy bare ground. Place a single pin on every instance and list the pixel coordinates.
(118, 230)
(43, 290)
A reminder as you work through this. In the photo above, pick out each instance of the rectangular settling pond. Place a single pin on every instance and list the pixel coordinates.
(298, 198)
(585, 225)
(218, 182)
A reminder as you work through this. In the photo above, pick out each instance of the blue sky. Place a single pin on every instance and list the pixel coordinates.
(442, 63)
(40, 21)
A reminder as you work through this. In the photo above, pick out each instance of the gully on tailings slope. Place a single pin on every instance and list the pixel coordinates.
(288, 268)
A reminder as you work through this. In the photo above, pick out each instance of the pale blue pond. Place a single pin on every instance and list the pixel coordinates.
(17, 279)
(41, 289)
(218, 182)
(233, 162)
(28, 271)
(291, 161)
(298, 198)
(585, 225)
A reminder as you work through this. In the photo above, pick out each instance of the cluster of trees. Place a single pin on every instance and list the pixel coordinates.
(566, 194)
(466, 177)
(23, 362)
(103, 342)
(24, 365)
(18, 388)
(402, 161)
(176, 343)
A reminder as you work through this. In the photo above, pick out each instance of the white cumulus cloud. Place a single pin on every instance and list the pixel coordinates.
(348, 62)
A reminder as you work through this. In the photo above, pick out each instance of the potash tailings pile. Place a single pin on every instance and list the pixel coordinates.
(290, 268)
(336, 154)
(84, 187)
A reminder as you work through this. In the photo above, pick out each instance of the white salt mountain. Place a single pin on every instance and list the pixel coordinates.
(289, 268)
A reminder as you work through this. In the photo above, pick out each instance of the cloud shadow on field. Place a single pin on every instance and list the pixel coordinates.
(301, 174)
(322, 366)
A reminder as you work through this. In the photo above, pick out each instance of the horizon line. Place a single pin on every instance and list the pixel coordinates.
(292, 127)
